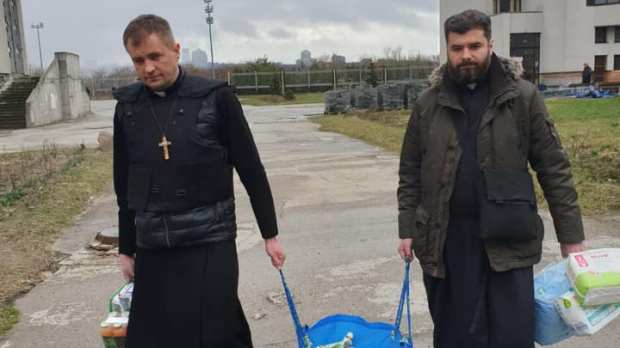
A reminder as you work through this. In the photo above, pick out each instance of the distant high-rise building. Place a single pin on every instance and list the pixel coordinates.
(305, 54)
(200, 59)
(186, 57)
(339, 60)
(305, 60)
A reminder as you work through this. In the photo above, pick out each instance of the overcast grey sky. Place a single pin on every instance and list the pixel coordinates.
(243, 30)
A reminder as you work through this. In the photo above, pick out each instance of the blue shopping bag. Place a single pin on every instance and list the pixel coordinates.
(334, 328)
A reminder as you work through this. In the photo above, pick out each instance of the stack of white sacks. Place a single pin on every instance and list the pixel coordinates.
(577, 297)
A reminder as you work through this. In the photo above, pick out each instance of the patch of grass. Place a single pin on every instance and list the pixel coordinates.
(32, 223)
(263, 100)
(9, 316)
(9, 198)
(584, 109)
(589, 130)
(379, 129)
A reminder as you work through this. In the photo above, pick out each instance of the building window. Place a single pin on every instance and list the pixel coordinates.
(600, 63)
(617, 62)
(602, 2)
(617, 34)
(600, 35)
(600, 66)
(505, 6)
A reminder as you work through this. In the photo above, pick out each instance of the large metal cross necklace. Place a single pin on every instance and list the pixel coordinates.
(165, 143)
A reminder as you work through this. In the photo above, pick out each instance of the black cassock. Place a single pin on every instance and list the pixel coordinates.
(185, 293)
(473, 306)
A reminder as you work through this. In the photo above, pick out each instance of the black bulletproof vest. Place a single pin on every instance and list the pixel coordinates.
(198, 172)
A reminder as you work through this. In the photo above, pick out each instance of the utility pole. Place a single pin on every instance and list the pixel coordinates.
(38, 27)
(209, 18)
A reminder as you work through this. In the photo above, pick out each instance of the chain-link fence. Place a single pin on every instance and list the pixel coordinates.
(281, 81)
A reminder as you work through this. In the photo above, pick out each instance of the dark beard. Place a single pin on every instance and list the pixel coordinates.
(465, 77)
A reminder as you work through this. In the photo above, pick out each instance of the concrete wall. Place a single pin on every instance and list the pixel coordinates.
(568, 36)
(502, 25)
(5, 63)
(532, 5)
(25, 68)
(59, 95)
(605, 16)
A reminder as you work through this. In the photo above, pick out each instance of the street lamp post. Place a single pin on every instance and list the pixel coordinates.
(209, 18)
(37, 27)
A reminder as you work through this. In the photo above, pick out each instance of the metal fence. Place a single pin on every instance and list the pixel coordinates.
(281, 81)
(323, 79)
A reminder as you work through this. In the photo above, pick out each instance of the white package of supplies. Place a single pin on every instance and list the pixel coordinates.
(595, 276)
(549, 285)
(585, 320)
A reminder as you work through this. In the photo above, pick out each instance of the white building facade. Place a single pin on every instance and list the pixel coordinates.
(553, 38)
(12, 45)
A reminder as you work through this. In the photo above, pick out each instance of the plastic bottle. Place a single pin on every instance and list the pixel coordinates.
(347, 342)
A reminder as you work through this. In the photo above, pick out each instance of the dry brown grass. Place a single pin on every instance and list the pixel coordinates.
(42, 192)
(267, 99)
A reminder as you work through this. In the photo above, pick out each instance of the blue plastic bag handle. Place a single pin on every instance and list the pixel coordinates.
(299, 329)
(302, 335)
(404, 300)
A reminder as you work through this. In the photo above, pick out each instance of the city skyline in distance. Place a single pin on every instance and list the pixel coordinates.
(243, 30)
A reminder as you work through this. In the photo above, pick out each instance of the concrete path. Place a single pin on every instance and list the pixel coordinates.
(66, 134)
(336, 204)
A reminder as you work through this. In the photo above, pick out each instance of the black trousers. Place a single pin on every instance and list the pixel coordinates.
(475, 307)
(187, 297)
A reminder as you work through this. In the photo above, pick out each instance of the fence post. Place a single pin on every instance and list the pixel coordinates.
(385, 73)
(335, 82)
(256, 80)
(282, 81)
(228, 77)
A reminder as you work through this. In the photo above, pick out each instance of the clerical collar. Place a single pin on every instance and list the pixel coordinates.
(472, 86)
(173, 87)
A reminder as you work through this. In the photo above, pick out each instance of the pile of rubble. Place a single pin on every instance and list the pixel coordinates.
(385, 97)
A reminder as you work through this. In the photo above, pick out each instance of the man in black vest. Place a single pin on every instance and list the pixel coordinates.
(177, 139)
